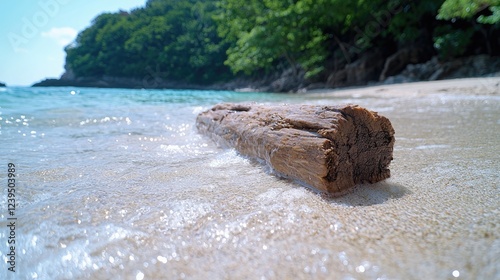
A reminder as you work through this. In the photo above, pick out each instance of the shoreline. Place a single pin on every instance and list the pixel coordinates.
(479, 66)
(474, 86)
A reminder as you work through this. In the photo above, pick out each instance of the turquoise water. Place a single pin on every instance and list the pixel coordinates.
(64, 126)
(97, 167)
(118, 184)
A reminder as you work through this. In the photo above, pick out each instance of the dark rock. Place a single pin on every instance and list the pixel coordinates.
(369, 68)
(360, 72)
(337, 78)
(290, 80)
(314, 86)
(2, 84)
(116, 82)
(150, 82)
(395, 63)
(68, 75)
(473, 66)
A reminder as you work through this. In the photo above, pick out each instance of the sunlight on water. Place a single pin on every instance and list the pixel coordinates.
(118, 184)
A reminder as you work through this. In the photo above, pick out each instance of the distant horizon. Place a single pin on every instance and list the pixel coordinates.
(35, 33)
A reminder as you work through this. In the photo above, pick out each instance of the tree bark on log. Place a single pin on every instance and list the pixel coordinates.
(331, 148)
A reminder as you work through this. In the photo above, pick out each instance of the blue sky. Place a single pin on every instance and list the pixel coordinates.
(33, 34)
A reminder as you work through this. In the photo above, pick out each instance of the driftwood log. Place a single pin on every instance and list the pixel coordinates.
(331, 148)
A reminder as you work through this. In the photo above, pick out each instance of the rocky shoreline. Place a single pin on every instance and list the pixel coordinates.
(369, 69)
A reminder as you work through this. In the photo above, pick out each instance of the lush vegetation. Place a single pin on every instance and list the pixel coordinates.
(208, 41)
(174, 40)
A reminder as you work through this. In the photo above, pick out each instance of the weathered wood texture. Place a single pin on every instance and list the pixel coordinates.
(329, 148)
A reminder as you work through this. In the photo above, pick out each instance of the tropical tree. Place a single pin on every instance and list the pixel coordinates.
(171, 40)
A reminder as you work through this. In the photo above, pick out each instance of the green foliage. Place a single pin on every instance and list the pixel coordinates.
(207, 41)
(494, 18)
(407, 24)
(451, 42)
(459, 8)
(263, 33)
(467, 9)
(170, 40)
(462, 8)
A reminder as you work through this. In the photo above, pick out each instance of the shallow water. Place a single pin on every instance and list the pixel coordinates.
(115, 183)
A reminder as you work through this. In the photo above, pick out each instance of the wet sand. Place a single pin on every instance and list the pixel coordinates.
(438, 216)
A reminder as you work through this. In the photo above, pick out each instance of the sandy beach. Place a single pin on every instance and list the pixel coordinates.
(438, 215)
(268, 140)
(119, 184)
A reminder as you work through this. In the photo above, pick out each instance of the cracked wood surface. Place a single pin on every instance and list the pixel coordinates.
(331, 148)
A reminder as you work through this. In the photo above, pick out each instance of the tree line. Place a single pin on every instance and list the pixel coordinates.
(205, 42)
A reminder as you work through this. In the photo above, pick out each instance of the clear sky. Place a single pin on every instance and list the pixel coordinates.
(33, 34)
